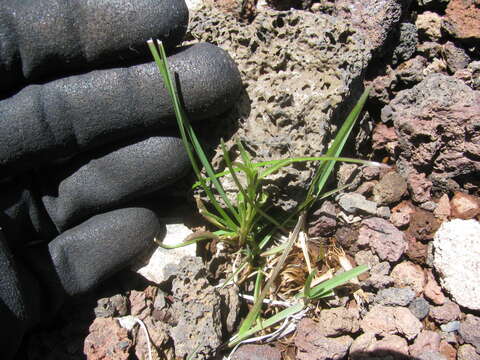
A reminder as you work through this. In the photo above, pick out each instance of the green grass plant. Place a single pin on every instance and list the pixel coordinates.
(245, 223)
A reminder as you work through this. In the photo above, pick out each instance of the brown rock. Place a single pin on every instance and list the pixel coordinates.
(257, 352)
(464, 206)
(338, 321)
(367, 346)
(158, 336)
(426, 341)
(443, 210)
(434, 121)
(402, 213)
(467, 352)
(423, 225)
(447, 350)
(371, 172)
(312, 345)
(324, 220)
(461, 19)
(389, 189)
(419, 187)
(384, 238)
(416, 251)
(384, 138)
(384, 320)
(455, 57)
(432, 290)
(138, 303)
(107, 340)
(366, 188)
(445, 313)
(470, 331)
(409, 274)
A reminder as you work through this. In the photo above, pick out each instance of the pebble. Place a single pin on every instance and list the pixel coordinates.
(353, 202)
(450, 326)
(389, 189)
(445, 313)
(464, 206)
(427, 340)
(467, 352)
(409, 274)
(419, 307)
(443, 210)
(395, 296)
(454, 245)
(402, 213)
(253, 351)
(384, 212)
(432, 290)
(383, 320)
(470, 331)
(384, 239)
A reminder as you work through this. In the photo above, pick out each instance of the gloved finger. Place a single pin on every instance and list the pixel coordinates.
(61, 118)
(45, 37)
(96, 182)
(101, 246)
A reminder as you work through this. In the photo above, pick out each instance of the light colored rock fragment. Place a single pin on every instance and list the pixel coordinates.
(456, 259)
(154, 270)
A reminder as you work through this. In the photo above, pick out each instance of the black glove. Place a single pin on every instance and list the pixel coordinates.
(81, 156)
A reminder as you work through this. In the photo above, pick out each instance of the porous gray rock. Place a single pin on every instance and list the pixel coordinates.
(257, 352)
(298, 88)
(436, 126)
(407, 43)
(454, 245)
(197, 308)
(455, 57)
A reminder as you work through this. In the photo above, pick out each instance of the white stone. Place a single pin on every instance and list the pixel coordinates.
(456, 258)
(154, 270)
(194, 4)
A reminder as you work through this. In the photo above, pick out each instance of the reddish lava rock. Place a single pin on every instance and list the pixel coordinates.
(462, 19)
(107, 340)
(257, 352)
(402, 213)
(443, 209)
(465, 206)
(432, 290)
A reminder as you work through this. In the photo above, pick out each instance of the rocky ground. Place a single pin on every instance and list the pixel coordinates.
(415, 223)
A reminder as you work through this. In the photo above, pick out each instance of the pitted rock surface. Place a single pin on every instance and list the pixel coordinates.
(198, 310)
(302, 73)
(437, 126)
(455, 248)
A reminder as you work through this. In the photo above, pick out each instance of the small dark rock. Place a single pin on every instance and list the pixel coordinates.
(324, 221)
(407, 43)
(419, 307)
